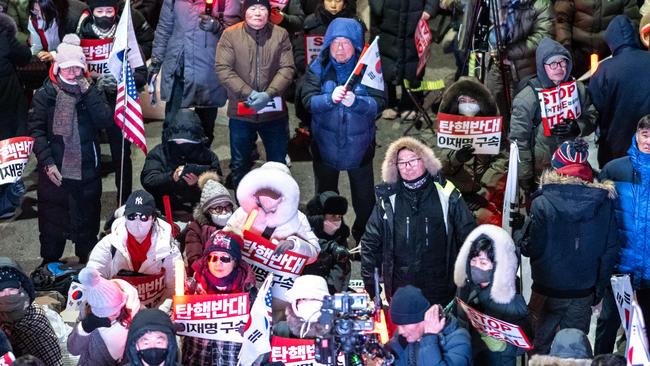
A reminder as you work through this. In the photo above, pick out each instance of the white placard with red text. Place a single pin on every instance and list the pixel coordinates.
(496, 328)
(97, 51)
(151, 288)
(216, 317)
(482, 133)
(293, 351)
(313, 47)
(14, 155)
(422, 44)
(258, 252)
(559, 103)
(7, 359)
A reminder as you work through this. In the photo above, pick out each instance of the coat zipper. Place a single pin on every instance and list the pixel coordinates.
(257, 64)
(408, 224)
(426, 231)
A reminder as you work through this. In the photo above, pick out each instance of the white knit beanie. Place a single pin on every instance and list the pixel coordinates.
(105, 297)
(69, 53)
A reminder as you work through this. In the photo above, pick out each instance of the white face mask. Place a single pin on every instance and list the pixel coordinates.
(468, 109)
(220, 220)
(139, 229)
(308, 310)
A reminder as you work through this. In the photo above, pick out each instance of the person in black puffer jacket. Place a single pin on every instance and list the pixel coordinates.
(151, 339)
(13, 119)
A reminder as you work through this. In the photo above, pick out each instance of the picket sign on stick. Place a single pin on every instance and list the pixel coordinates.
(496, 328)
(215, 317)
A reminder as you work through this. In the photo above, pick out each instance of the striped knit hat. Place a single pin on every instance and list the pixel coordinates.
(571, 152)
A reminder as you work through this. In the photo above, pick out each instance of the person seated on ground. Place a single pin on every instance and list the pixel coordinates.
(426, 336)
(151, 340)
(220, 270)
(140, 243)
(325, 214)
(173, 167)
(303, 310)
(486, 275)
(26, 325)
(570, 347)
(100, 337)
(210, 214)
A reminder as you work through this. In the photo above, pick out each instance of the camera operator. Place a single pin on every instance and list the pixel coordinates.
(303, 311)
(426, 336)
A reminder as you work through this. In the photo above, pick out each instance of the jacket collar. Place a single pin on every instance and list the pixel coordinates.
(266, 30)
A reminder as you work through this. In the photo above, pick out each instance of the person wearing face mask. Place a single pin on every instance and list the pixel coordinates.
(102, 25)
(479, 177)
(173, 167)
(139, 242)
(220, 270)
(99, 338)
(65, 116)
(303, 310)
(28, 329)
(485, 273)
(151, 340)
(554, 64)
(210, 214)
(49, 21)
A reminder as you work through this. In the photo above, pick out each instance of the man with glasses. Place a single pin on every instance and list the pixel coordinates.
(417, 226)
(537, 143)
(139, 244)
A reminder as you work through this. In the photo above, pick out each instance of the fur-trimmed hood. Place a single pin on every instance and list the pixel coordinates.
(389, 173)
(552, 177)
(470, 87)
(545, 360)
(7, 24)
(506, 262)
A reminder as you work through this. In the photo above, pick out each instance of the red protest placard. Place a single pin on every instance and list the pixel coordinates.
(496, 328)
(258, 252)
(313, 47)
(7, 359)
(422, 44)
(97, 52)
(559, 103)
(14, 155)
(293, 352)
(150, 287)
(483, 133)
(216, 317)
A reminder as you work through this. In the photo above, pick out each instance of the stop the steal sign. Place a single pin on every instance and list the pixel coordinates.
(496, 328)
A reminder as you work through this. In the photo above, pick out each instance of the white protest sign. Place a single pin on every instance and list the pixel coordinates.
(496, 328)
(313, 47)
(293, 351)
(559, 103)
(14, 155)
(216, 317)
(482, 133)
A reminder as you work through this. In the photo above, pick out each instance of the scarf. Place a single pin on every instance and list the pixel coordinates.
(221, 285)
(66, 125)
(416, 183)
(138, 251)
(12, 307)
(103, 34)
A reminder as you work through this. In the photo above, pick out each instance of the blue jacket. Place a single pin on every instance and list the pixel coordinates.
(631, 175)
(451, 347)
(344, 137)
(615, 89)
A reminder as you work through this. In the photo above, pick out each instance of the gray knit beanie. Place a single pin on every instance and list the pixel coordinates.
(213, 193)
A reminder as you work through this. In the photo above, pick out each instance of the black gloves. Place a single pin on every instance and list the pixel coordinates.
(569, 128)
(210, 24)
(92, 322)
(465, 154)
(154, 69)
(475, 201)
(517, 220)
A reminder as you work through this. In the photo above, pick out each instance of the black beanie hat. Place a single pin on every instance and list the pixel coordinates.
(408, 306)
(249, 3)
(335, 205)
(92, 4)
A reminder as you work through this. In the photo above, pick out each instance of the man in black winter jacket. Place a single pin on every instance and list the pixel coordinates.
(417, 225)
(151, 340)
(173, 167)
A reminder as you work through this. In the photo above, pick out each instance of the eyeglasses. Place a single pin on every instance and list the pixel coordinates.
(219, 210)
(410, 163)
(223, 259)
(137, 215)
(554, 65)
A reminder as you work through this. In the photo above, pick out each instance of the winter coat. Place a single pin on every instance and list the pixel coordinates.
(255, 60)
(13, 119)
(378, 243)
(394, 21)
(293, 17)
(580, 26)
(196, 234)
(187, 52)
(111, 255)
(483, 175)
(450, 347)
(572, 241)
(500, 298)
(343, 137)
(631, 175)
(48, 39)
(613, 90)
(93, 113)
(146, 321)
(18, 11)
(536, 149)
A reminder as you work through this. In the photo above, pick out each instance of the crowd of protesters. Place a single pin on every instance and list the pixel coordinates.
(431, 226)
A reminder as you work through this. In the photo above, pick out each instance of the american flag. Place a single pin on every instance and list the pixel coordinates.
(128, 114)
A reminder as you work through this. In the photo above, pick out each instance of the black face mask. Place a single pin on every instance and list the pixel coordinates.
(153, 356)
(104, 22)
(480, 276)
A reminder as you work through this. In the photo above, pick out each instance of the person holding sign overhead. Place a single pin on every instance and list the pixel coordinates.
(552, 108)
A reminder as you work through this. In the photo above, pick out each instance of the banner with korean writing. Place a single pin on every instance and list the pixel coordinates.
(422, 44)
(280, 4)
(559, 103)
(482, 133)
(623, 294)
(14, 155)
(97, 52)
(216, 317)
(151, 288)
(293, 352)
(313, 47)
(258, 252)
(496, 328)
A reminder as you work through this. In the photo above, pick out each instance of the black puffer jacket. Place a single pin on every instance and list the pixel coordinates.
(395, 22)
(150, 320)
(13, 104)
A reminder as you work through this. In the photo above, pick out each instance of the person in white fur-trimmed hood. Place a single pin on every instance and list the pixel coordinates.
(486, 274)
